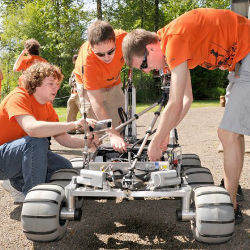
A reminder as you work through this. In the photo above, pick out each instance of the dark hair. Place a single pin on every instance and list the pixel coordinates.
(100, 31)
(35, 74)
(32, 46)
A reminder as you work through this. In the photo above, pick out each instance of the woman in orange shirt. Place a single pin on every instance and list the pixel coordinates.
(28, 56)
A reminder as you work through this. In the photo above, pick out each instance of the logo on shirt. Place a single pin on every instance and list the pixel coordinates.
(220, 57)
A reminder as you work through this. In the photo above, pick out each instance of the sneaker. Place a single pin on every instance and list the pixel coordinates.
(17, 196)
(238, 217)
(239, 196)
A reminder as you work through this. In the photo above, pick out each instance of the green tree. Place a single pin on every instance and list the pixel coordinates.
(58, 25)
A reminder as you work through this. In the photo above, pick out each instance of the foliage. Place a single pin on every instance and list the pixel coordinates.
(60, 25)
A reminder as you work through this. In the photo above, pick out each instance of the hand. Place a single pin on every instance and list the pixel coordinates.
(93, 141)
(164, 144)
(91, 122)
(118, 143)
(154, 150)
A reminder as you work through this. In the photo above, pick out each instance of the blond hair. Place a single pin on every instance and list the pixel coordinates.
(134, 44)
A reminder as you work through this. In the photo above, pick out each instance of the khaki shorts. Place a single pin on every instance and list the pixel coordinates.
(236, 117)
(113, 98)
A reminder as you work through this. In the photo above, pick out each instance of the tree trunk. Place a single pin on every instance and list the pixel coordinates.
(156, 24)
(99, 9)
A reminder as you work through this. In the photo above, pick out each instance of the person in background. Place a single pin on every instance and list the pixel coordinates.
(97, 71)
(211, 38)
(73, 103)
(28, 56)
(27, 118)
(1, 78)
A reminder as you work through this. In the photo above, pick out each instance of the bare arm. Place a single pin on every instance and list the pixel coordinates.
(41, 129)
(172, 113)
(178, 105)
(187, 99)
(17, 62)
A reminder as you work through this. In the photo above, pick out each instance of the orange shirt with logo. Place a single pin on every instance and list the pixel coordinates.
(19, 102)
(96, 74)
(211, 38)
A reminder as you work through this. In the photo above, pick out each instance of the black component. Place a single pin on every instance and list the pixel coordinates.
(178, 213)
(123, 116)
(136, 116)
(238, 217)
(78, 214)
(101, 125)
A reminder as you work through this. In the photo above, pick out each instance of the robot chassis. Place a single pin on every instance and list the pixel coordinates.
(107, 174)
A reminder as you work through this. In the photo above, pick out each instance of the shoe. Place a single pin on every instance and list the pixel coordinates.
(17, 196)
(238, 217)
(239, 196)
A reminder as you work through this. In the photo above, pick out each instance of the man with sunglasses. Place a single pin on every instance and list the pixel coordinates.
(212, 39)
(97, 71)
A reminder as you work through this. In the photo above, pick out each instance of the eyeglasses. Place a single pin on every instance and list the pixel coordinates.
(110, 52)
(144, 63)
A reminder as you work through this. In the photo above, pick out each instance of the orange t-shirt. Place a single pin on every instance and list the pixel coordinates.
(211, 38)
(96, 74)
(25, 62)
(19, 102)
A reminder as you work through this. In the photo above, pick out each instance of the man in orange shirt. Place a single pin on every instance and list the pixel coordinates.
(212, 39)
(28, 56)
(97, 71)
(27, 118)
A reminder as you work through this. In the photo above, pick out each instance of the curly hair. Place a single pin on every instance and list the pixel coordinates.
(33, 77)
(32, 46)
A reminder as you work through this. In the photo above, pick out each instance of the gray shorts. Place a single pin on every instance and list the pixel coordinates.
(236, 117)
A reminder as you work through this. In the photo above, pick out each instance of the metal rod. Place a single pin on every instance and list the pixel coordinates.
(133, 118)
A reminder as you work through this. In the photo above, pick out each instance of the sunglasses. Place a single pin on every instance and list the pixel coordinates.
(110, 52)
(144, 63)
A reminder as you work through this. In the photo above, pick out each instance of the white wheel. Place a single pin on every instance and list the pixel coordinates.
(77, 163)
(190, 161)
(41, 213)
(214, 215)
(63, 177)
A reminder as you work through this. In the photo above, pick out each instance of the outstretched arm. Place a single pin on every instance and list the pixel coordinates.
(18, 61)
(175, 110)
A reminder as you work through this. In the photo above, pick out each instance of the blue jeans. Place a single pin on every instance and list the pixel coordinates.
(27, 162)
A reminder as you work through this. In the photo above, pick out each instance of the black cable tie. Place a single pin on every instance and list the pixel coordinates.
(157, 113)
(136, 116)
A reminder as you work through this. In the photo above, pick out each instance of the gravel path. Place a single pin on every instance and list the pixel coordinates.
(139, 224)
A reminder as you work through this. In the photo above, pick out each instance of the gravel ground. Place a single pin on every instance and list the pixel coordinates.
(138, 224)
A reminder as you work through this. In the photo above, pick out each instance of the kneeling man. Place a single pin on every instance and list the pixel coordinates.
(27, 118)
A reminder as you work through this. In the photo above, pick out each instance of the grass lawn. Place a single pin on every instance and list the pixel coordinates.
(61, 111)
